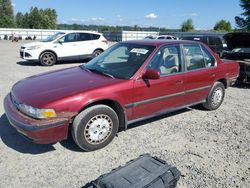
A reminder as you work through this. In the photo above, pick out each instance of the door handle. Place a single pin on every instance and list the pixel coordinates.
(179, 81)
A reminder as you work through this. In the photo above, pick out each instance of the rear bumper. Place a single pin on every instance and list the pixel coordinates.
(39, 131)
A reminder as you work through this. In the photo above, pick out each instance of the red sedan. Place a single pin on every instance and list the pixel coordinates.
(129, 82)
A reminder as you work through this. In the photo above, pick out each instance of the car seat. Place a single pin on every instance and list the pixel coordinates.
(170, 63)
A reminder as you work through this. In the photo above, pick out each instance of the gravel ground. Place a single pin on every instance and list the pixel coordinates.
(210, 148)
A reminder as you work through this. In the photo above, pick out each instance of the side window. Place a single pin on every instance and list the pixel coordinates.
(212, 41)
(166, 60)
(209, 59)
(161, 38)
(194, 57)
(71, 37)
(84, 37)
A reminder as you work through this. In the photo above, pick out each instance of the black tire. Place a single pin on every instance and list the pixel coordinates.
(47, 59)
(96, 53)
(95, 127)
(215, 97)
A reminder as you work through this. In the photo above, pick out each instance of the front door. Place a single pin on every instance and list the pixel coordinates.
(68, 46)
(152, 97)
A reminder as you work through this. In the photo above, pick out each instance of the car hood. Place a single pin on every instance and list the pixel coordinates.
(33, 44)
(237, 40)
(41, 90)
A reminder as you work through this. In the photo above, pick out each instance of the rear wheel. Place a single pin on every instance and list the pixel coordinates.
(96, 53)
(95, 127)
(215, 97)
(47, 59)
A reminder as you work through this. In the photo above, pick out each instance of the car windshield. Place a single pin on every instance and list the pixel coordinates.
(53, 37)
(122, 60)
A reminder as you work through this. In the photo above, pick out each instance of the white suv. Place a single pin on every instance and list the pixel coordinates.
(65, 46)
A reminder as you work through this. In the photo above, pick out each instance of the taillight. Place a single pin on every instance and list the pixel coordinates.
(105, 41)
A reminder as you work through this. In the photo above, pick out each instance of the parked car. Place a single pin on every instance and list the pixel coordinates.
(65, 46)
(162, 37)
(239, 50)
(129, 82)
(166, 37)
(214, 42)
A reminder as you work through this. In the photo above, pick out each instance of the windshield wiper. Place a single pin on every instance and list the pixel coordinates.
(102, 73)
(84, 68)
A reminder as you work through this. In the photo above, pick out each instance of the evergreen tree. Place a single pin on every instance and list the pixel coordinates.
(6, 14)
(243, 22)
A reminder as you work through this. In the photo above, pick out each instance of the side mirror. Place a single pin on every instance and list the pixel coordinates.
(60, 41)
(151, 74)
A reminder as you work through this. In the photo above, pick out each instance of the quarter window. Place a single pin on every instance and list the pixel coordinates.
(95, 36)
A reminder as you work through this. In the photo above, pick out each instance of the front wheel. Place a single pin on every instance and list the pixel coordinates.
(47, 59)
(95, 127)
(215, 97)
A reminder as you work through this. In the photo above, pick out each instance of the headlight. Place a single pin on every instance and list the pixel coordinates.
(34, 47)
(36, 112)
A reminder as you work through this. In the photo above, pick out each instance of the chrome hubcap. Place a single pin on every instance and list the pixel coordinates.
(98, 129)
(217, 96)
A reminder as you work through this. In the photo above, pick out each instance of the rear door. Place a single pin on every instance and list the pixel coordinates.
(86, 45)
(152, 97)
(200, 72)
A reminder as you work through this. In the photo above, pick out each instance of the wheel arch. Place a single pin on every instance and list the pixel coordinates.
(116, 106)
(98, 49)
(223, 81)
(48, 51)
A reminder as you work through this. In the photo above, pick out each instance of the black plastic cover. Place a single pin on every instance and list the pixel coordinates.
(143, 172)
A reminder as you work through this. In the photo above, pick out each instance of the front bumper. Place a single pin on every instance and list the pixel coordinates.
(32, 55)
(39, 131)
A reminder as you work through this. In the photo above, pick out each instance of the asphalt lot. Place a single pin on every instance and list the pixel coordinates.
(210, 148)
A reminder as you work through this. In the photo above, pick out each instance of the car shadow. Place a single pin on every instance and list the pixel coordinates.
(36, 63)
(241, 85)
(70, 144)
(11, 138)
(150, 120)
(28, 63)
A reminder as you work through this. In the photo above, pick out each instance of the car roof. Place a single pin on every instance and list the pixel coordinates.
(157, 43)
(91, 32)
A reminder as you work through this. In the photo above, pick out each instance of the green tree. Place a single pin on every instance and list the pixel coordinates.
(6, 14)
(19, 20)
(223, 25)
(187, 25)
(37, 19)
(243, 22)
(49, 18)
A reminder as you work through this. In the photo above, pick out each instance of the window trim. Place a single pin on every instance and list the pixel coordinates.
(185, 59)
(181, 64)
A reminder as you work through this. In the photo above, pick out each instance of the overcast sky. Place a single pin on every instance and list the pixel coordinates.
(158, 13)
